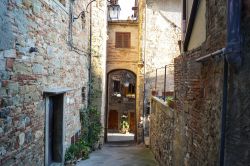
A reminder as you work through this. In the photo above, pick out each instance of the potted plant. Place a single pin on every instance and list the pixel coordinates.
(124, 124)
(124, 127)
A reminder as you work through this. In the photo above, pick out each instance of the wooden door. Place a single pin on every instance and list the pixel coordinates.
(132, 122)
(113, 120)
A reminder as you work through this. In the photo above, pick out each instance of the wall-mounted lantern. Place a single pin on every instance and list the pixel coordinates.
(113, 10)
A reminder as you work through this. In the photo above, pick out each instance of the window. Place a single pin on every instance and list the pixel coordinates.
(122, 39)
(83, 94)
(131, 89)
(116, 86)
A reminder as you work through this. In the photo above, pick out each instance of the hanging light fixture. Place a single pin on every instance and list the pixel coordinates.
(127, 78)
(126, 83)
(114, 10)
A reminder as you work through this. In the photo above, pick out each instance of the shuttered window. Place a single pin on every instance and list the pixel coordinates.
(122, 39)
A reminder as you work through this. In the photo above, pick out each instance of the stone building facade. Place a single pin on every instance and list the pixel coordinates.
(44, 64)
(98, 58)
(160, 32)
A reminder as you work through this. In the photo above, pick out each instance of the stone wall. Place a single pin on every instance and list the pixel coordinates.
(162, 131)
(98, 60)
(41, 50)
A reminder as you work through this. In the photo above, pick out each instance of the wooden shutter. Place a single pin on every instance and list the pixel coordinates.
(118, 40)
(122, 40)
(126, 40)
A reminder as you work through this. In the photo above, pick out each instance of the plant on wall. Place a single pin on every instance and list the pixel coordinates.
(90, 134)
(91, 125)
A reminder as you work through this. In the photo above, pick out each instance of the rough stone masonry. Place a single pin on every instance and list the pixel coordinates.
(39, 50)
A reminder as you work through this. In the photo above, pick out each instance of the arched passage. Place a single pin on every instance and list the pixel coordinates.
(121, 106)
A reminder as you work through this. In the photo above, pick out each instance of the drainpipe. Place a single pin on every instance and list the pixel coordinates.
(233, 33)
(223, 113)
(165, 81)
(232, 58)
(155, 80)
(90, 54)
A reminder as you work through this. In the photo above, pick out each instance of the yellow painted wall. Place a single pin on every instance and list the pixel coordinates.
(122, 58)
(198, 35)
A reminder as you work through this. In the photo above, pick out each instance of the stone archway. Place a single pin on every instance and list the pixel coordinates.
(121, 106)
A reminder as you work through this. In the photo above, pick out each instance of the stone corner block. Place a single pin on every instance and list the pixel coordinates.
(21, 138)
(37, 69)
(2, 64)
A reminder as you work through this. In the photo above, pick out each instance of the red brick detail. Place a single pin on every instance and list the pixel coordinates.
(23, 77)
(5, 83)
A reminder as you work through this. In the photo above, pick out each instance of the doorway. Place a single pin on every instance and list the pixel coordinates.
(54, 144)
(113, 120)
(121, 106)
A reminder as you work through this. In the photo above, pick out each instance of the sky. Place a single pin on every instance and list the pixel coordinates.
(126, 8)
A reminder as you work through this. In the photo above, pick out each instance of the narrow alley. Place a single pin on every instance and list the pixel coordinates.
(120, 154)
(124, 82)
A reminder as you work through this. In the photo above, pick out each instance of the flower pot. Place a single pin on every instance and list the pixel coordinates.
(154, 92)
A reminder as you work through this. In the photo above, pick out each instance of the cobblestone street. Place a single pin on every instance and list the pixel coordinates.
(120, 155)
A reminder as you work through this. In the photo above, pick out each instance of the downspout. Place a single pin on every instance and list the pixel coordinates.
(144, 56)
(223, 113)
(234, 33)
(156, 81)
(165, 82)
(233, 59)
(90, 54)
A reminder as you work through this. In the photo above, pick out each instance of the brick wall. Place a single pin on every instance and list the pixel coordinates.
(198, 93)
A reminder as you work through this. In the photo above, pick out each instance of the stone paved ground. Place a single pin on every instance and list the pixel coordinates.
(121, 155)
